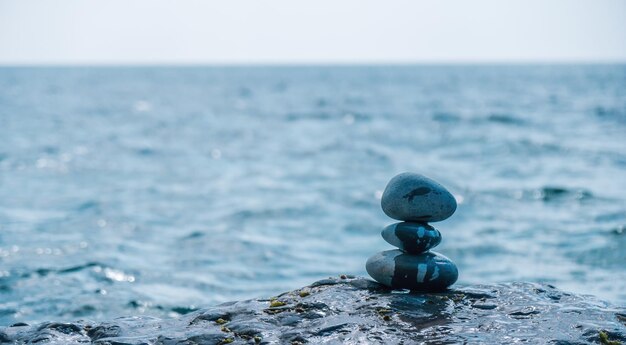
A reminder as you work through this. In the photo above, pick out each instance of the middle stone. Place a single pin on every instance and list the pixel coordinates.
(412, 237)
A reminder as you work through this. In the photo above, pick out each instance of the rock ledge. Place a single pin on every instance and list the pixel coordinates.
(351, 310)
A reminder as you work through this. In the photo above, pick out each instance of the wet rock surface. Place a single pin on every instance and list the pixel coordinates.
(356, 310)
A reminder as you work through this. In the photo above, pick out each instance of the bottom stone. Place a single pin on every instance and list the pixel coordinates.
(429, 271)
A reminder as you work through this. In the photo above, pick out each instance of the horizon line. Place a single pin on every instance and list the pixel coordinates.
(330, 63)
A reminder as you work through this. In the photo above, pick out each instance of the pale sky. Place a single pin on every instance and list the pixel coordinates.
(320, 31)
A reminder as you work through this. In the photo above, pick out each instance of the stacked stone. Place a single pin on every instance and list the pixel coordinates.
(415, 200)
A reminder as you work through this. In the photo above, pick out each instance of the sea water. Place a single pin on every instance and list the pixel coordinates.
(157, 191)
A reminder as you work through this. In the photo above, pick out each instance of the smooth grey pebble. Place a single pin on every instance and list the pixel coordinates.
(429, 271)
(412, 237)
(414, 197)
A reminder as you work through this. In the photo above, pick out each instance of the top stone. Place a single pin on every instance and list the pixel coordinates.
(414, 197)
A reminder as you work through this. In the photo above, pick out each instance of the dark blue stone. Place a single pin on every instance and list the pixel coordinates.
(412, 237)
(414, 197)
(428, 271)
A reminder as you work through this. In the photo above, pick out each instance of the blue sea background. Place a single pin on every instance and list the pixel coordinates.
(159, 190)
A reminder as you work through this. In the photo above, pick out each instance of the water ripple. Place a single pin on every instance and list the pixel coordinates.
(156, 191)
